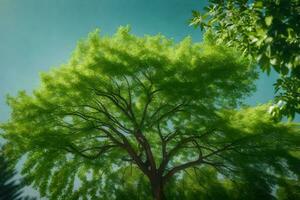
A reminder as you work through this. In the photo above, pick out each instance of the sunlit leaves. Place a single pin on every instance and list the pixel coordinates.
(268, 20)
(265, 30)
(83, 132)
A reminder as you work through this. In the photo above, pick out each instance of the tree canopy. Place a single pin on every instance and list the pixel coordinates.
(266, 30)
(145, 114)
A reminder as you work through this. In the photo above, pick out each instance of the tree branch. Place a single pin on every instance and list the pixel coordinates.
(101, 150)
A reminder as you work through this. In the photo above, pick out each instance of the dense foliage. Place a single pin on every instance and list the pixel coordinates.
(266, 30)
(131, 116)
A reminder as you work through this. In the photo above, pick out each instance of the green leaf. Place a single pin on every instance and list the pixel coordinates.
(284, 70)
(268, 20)
(264, 63)
(258, 4)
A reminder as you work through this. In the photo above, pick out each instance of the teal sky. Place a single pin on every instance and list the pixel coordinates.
(36, 35)
(39, 34)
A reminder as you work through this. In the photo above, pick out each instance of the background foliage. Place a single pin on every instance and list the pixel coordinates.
(10, 188)
(266, 30)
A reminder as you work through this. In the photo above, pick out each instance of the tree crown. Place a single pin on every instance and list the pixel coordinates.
(143, 103)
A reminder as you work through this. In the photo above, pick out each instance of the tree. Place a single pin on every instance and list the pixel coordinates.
(266, 30)
(9, 188)
(131, 113)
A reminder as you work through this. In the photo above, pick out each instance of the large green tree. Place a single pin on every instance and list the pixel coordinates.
(130, 116)
(268, 31)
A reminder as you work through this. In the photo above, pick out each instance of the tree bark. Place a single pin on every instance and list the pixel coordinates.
(157, 189)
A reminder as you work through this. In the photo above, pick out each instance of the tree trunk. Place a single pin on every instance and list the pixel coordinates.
(157, 190)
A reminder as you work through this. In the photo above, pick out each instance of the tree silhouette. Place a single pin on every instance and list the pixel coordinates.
(9, 188)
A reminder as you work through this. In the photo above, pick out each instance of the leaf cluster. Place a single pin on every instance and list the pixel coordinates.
(268, 31)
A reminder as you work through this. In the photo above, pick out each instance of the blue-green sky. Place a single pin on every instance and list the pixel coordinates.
(39, 34)
(36, 35)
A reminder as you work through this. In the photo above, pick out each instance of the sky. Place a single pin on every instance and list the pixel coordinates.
(36, 35)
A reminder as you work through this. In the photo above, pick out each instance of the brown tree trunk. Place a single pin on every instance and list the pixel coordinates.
(157, 189)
